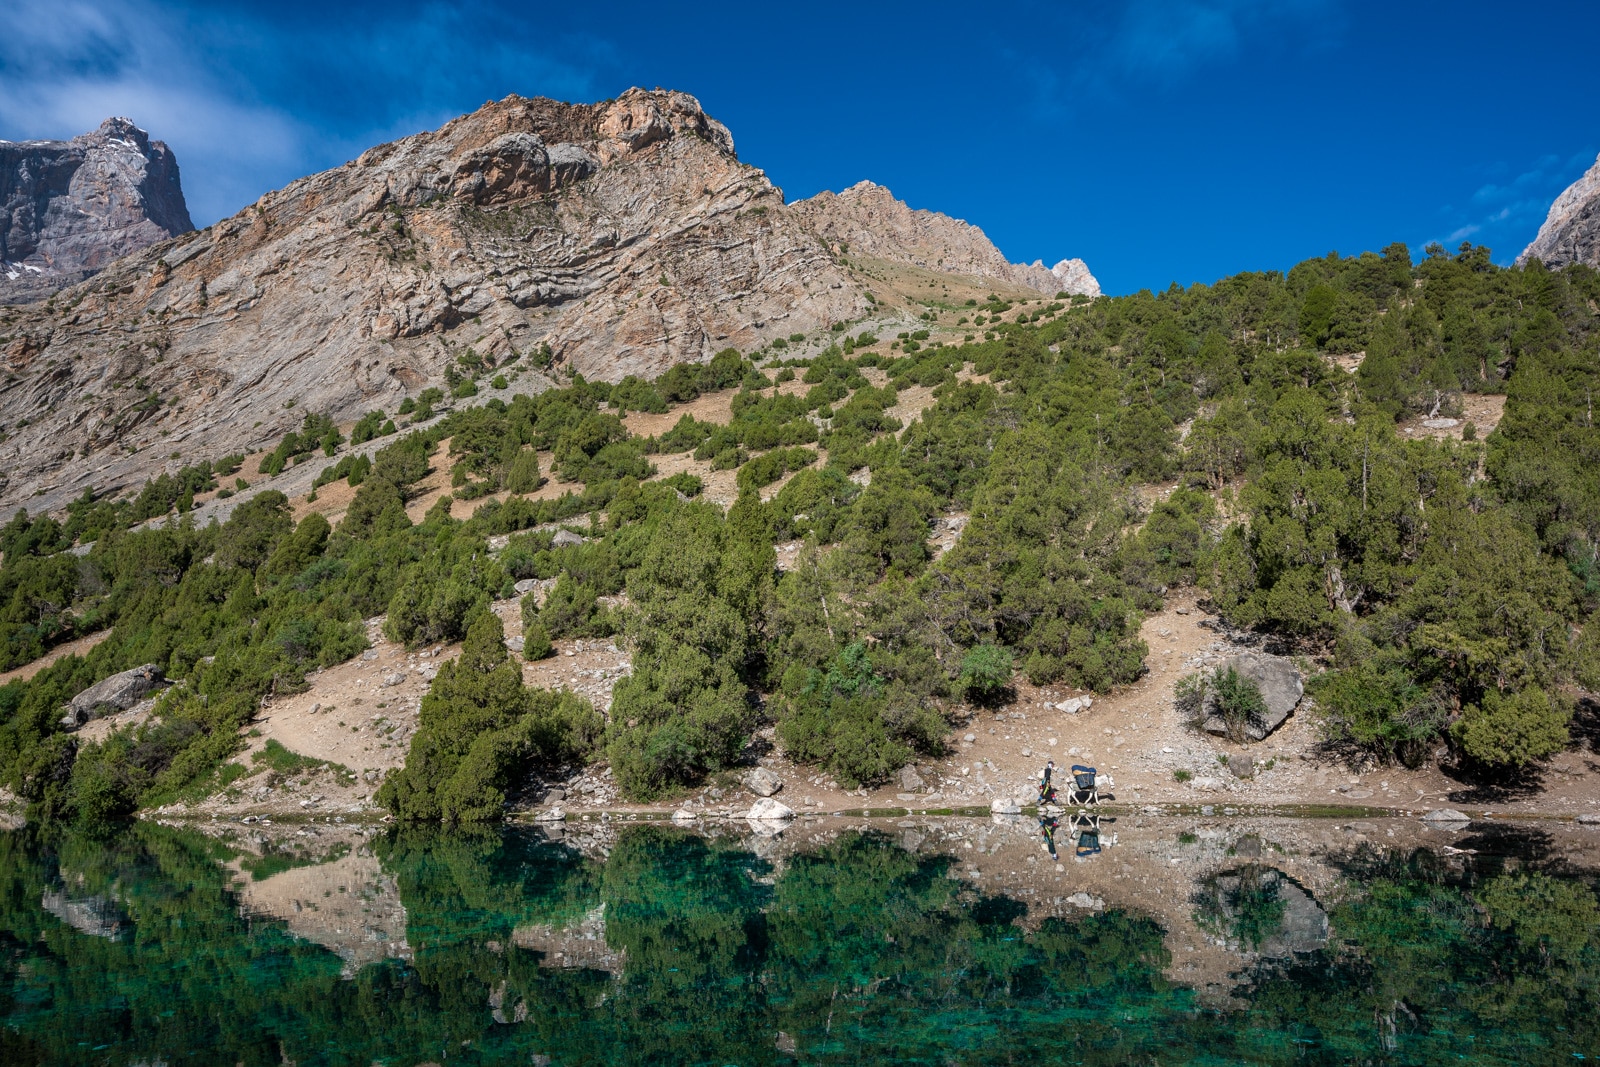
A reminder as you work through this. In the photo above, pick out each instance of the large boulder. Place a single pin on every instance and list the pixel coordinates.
(762, 782)
(768, 810)
(111, 695)
(1281, 688)
(910, 780)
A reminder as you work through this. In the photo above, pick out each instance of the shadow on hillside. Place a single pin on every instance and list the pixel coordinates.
(1586, 724)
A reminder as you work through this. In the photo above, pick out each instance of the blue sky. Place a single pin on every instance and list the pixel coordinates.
(1159, 140)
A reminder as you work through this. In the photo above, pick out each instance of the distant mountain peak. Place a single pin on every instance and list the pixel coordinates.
(68, 208)
(868, 219)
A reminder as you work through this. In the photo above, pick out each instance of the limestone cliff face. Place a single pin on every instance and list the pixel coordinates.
(68, 208)
(867, 219)
(1571, 232)
(625, 236)
(609, 239)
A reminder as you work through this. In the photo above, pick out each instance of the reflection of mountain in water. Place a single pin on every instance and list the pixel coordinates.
(677, 947)
(350, 905)
(97, 916)
(579, 944)
(1261, 909)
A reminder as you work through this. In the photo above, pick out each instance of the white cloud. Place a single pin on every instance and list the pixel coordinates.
(66, 67)
(1169, 38)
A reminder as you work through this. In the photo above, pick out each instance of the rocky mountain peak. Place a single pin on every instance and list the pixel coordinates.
(870, 221)
(68, 208)
(1571, 232)
(605, 239)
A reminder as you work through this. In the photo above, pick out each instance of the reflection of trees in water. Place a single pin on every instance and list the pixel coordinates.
(1245, 904)
(858, 952)
(1436, 959)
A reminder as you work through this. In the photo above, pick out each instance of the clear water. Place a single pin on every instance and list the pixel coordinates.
(654, 945)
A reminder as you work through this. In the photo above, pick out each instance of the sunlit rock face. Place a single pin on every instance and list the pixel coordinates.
(1571, 232)
(608, 239)
(867, 220)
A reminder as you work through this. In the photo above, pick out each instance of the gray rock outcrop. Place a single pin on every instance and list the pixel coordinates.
(1241, 766)
(762, 782)
(1446, 817)
(110, 695)
(868, 220)
(608, 239)
(910, 780)
(1571, 231)
(69, 208)
(1281, 689)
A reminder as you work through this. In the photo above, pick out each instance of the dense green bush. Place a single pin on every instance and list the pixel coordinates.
(768, 468)
(1224, 693)
(854, 722)
(482, 731)
(986, 673)
(316, 431)
(370, 426)
(1514, 729)
(1381, 708)
(698, 590)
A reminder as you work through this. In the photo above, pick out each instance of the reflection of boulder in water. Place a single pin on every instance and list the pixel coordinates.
(349, 905)
(1263, 909)
(581, 944)
(97, 916)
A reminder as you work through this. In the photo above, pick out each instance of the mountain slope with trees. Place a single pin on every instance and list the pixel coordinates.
(1447, 588)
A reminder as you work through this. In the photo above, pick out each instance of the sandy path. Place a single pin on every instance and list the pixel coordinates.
(76, 647)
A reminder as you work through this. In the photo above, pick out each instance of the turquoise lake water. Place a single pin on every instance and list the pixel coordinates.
(955, 942)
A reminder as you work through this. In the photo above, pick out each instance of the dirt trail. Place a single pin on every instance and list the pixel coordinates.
(75, 647)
